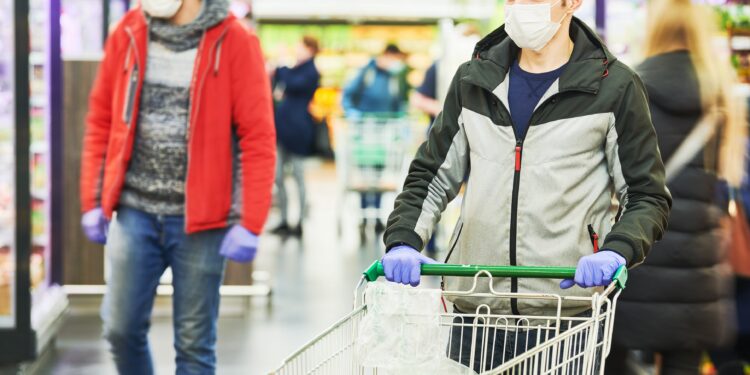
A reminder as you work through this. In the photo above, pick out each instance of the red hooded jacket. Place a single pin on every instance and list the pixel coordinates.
(230, 96)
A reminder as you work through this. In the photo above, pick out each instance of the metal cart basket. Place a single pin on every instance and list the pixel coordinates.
(484, 342)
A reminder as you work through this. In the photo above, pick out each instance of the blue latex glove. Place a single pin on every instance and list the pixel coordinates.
(239, 245)
(403, 265)
(595, 270)
(95, 226)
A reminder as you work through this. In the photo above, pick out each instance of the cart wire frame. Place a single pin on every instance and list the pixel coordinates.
(537, 344)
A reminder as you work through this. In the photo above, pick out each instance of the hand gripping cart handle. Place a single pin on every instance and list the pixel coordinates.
(376, 270)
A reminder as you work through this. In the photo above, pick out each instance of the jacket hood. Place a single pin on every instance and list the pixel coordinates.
(672, 82)
(588, 64)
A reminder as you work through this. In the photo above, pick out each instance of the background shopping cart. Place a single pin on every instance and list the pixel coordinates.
(537, 344)
(372, 157)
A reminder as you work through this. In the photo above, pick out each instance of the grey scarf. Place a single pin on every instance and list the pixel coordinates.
(185, 37)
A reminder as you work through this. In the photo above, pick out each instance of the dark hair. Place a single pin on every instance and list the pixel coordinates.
(392, 49)
(311, 43)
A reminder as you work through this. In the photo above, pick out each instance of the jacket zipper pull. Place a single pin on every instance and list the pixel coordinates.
(594, 238)
(519, 151)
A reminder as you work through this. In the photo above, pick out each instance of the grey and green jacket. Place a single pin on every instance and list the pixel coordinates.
(590, 153)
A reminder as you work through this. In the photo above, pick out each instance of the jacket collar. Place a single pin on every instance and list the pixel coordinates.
(588, 64)
(138, 24)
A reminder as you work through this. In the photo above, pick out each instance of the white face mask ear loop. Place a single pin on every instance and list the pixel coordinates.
(564, 15)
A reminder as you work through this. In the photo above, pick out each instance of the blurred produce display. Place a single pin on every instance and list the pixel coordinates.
(345, 49)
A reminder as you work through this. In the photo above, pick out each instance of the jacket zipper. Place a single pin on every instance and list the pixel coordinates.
(134, 78)
(514, 221)
(133, 90)
(130, 96)
(518, 154)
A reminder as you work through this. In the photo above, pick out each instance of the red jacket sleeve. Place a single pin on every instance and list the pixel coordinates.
(252, 112)
(98, 122)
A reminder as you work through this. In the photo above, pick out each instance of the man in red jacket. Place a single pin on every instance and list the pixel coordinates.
(177, 171)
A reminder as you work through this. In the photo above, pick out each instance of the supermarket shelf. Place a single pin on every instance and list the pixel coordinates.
(38, 194)
(365, 10)
(739, 32)
(39, 101)
(37, 58)
(6, 240)
(7, 322)
(97, 56)
(167, 290)
(41, 241)
(39, 148)
(742, 89)
(47, 314)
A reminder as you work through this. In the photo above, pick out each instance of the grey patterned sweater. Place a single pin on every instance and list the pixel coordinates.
(155, 181)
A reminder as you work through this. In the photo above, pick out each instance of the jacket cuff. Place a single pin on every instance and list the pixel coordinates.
(621, 247)
(252, 226)
(403, 236)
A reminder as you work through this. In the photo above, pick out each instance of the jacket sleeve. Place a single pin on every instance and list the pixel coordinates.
(435, 177)
(98, 123)
(252, 114)
(637, 170)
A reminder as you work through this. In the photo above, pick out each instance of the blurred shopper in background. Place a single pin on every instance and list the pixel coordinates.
(457, 48)
(380, 89)
(425, 98)
(548, 126)
(178, 162)
(679, 302)
(294, 88)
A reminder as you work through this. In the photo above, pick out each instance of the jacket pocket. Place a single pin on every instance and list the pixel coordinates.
(127, 108)
(454, 240)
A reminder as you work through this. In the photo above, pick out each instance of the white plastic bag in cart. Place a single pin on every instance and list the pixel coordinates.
(401, 333)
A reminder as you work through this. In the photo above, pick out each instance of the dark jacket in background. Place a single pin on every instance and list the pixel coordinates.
(680, 298)
(295, 128)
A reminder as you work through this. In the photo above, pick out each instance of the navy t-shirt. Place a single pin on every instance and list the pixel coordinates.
(526, 89)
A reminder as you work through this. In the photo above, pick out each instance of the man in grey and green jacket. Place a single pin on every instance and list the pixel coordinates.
(549, 127)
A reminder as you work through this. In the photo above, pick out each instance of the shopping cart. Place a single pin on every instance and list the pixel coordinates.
(371, 156)
(552, 345)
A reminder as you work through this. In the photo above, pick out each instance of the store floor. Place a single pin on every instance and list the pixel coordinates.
(312, 282)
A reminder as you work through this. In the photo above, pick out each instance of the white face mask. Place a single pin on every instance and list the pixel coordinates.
(161, 8)
(530, 25)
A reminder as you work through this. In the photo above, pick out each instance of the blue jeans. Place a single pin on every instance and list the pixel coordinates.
(140, 247)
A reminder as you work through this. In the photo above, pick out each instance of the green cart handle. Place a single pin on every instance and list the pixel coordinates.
(376, 270)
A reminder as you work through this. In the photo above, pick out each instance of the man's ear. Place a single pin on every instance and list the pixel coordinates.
(573, 5)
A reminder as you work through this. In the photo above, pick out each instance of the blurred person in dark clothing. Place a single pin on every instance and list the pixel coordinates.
(295, 127)
(379, 88)
(177, 171)
(425, 98)
(679, 301)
